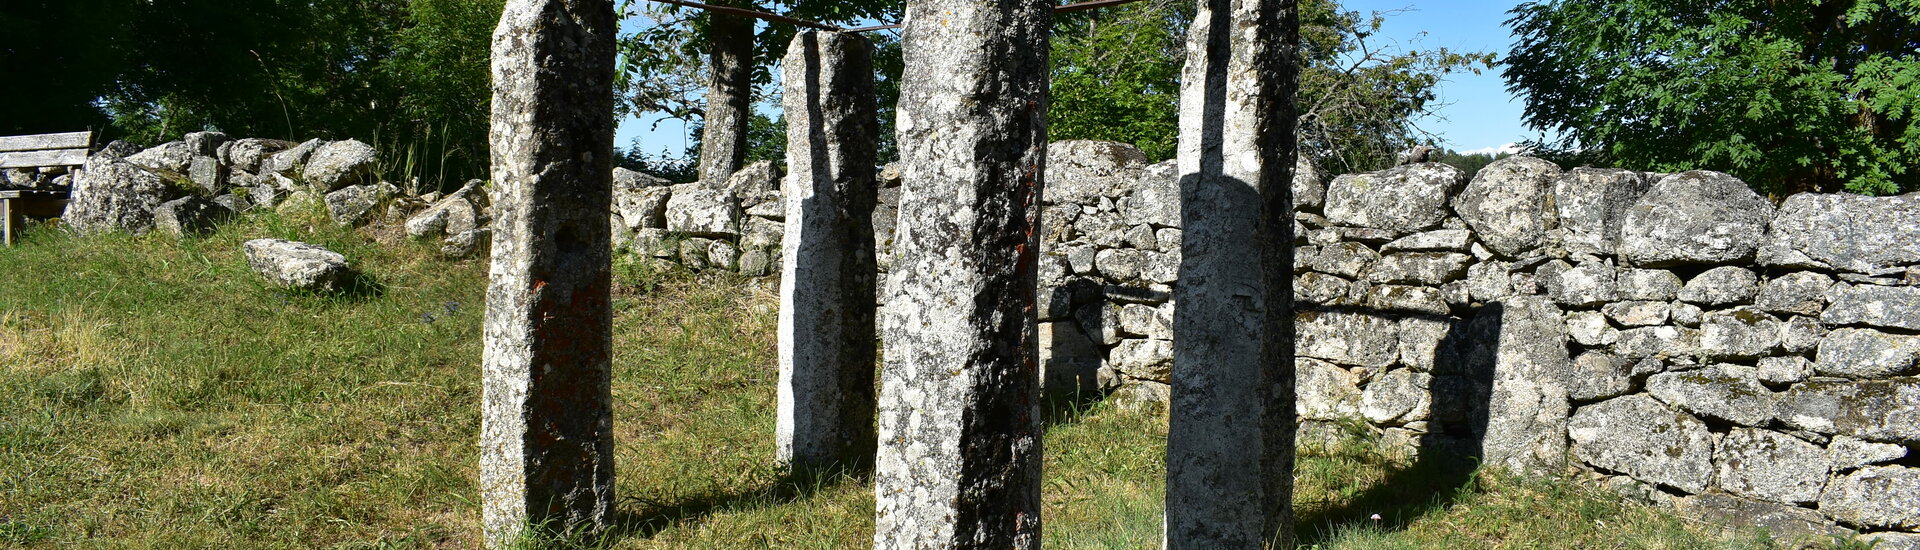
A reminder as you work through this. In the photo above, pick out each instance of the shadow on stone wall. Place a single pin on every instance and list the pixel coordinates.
(1443, 459)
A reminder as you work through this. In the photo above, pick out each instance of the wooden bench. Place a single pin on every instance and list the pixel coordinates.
(39, 151)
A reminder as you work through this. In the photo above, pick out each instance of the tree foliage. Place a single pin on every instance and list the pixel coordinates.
(411, 76)
(664, 62)
(58, 57)
(1116, 77)
(1790, 96)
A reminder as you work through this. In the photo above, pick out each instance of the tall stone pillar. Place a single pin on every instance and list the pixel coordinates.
(1230, 438)
(546, 436)
(959, 458)
(827, 278)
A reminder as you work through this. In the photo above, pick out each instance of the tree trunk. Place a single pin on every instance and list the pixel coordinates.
(723, 141)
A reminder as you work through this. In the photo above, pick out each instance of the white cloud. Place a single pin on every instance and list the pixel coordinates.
(1509, 148)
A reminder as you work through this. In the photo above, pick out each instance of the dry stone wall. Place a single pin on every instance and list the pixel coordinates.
(1676, 336)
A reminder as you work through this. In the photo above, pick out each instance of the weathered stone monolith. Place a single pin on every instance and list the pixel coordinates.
(1230, 441)
(959, 458)
(546, 435)
(826, 284)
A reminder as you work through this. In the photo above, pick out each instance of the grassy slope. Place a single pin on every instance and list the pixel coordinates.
(158, 395)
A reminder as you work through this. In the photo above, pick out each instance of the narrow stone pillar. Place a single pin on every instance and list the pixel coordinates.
(1230, 438)
(959, 458)
(826, 284)
(546, 434)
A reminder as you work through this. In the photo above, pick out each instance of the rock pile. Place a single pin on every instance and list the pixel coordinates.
(187, 185)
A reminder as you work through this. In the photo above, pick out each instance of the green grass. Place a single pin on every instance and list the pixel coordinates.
(159, 395)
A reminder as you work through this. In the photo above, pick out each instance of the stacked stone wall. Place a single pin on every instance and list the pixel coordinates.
(1678, 336)
(1675, 336)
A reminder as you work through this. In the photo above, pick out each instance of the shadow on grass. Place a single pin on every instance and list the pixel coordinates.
(1402, 496)
(643, 518)
(357, 287)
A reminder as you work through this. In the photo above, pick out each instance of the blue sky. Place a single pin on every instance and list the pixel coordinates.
(1479, 113)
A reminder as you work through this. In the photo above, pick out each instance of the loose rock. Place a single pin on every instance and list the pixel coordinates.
(297, 264)
(340, 164)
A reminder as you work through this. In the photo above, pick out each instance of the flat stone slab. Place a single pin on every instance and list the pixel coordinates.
(1867, 353)
(1728, 392)
(1875, 306)
(1874, 410)
(1403, 199)
(297, 265)
(1844, 231)
(1788, 524)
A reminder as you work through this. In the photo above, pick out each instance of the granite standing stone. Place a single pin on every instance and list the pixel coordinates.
(546, 434)
(827, 281)
(959, 460)
(1230, 445)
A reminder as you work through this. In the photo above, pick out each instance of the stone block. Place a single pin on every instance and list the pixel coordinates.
(1404, 199)
(1643, 438)
(1697, 217)
(1507, 204)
